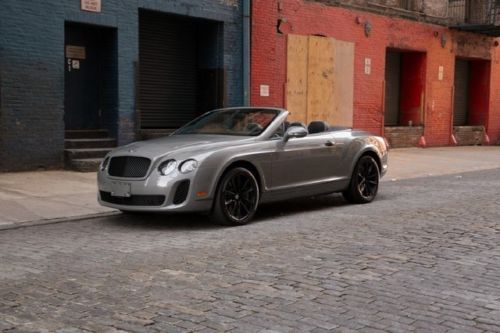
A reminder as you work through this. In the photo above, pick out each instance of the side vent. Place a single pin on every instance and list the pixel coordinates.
(181, 192)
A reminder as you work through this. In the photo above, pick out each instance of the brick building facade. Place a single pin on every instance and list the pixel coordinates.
(408, 73)
(64, 66)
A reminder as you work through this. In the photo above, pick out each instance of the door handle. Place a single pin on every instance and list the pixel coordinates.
(330, 143)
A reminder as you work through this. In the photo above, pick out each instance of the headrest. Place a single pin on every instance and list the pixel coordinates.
(317, 127)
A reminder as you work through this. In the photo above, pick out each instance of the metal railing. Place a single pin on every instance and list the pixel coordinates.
(405, 4)
(474, 12)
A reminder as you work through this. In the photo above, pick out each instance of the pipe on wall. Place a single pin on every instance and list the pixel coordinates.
(246, 51)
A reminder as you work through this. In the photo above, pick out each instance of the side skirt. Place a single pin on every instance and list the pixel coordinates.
(304, 191)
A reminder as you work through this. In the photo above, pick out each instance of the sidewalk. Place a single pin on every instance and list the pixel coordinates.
(29, 198)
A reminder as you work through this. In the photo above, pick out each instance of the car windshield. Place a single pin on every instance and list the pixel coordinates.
(244, 122)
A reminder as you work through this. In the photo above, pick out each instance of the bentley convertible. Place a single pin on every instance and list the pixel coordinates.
(228, 161)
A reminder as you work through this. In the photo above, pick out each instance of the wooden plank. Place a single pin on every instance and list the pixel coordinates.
(321, 70)
(296, 87)
(343, 100)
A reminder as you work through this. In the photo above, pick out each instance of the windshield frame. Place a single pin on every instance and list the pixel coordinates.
(225, 122)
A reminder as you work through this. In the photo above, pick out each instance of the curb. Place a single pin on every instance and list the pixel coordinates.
(19, 225)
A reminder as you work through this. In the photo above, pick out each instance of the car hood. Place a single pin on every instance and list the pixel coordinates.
(179, 144)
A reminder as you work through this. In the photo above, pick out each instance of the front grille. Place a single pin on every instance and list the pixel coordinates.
(129, 166)
(134, 200)
(181, 192)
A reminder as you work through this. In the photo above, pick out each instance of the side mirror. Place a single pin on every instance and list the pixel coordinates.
(294, 132)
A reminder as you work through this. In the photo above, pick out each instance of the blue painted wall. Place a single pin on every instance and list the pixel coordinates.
(32, 68)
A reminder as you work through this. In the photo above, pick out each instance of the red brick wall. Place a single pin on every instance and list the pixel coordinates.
(308, 18)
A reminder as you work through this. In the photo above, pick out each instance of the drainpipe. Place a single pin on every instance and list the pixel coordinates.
(246, 51)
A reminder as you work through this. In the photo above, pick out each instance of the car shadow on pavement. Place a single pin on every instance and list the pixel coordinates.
(157, 221)
(296, 206)
(265, 213)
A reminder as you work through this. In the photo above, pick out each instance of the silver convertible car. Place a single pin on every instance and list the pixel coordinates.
(228, 161)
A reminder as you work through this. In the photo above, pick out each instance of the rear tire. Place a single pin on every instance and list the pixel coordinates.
(365, 178)
(236, 198)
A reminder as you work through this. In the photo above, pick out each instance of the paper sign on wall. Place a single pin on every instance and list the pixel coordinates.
(91, 5)
(76, 52)
(264, 90)
(368, 66)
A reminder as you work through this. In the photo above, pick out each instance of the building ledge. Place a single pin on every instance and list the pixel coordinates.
(485, 29)
(380, 9)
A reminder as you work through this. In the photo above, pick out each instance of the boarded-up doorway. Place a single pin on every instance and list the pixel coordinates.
(320, 80)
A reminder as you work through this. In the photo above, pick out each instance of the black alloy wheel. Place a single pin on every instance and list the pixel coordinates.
(363, 187)
(237, 198)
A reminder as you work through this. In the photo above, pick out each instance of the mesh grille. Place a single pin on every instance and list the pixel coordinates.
(134, 200)
(129, 166)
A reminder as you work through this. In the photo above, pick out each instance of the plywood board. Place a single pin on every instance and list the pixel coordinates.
(321, 78)
(343, 96)
(296, 87)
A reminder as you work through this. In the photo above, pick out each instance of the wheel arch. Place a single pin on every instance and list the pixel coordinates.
(372, 154)
(365, 152)
(243, 164)
(230, 166)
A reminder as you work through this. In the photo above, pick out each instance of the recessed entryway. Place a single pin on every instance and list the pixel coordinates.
(90, 94)
(180, 69)
(471, 100)
(404, 97)
(90, 77)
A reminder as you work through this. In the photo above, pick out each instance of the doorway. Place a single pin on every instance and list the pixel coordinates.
(180, 69)
(90, 77)
(404, 88)
(472, 86)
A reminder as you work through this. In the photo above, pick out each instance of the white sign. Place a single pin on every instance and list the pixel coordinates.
(441, 73)
(264, 90)
(91, 5)
(368, 66)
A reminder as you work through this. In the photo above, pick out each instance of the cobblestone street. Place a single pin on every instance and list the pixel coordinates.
(424, 257)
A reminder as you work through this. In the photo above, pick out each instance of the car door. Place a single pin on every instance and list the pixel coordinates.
(311, 160)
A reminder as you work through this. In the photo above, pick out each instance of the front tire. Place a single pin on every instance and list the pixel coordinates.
(236, 199)
(363, 187)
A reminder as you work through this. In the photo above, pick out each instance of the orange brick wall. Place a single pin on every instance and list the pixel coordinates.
(309, 18)
(493, 128)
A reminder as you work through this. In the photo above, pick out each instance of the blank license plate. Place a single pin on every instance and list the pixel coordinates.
(120, 189)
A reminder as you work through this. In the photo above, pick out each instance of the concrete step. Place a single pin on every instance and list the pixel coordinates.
(84, 164)
(90, 143)
(86, 134)
(86, 153)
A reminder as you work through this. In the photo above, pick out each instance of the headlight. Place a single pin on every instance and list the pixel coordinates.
(167, 167)
(104, 164)
(188, 166)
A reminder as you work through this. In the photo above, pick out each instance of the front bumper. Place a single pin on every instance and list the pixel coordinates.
(156, 193)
